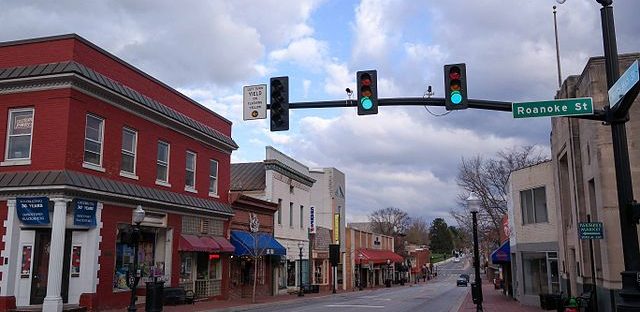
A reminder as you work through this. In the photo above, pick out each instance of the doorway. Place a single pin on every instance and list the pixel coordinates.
(41, 266)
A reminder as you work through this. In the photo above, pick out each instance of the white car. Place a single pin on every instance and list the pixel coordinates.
(456, 260)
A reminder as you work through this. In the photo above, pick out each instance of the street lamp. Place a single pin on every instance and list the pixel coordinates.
(300, 246)
(360, 257)
(138, 216)
(388, 281)
(473, 203)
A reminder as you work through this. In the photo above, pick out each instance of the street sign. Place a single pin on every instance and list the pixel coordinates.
(626, 82)
(555, 108)
(590, 230)
(254, 99)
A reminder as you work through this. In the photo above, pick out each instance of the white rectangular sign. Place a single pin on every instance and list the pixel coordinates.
(254, 99)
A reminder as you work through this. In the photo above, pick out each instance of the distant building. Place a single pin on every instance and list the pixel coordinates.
(370, 258)
(586, 186)
(533, 235)
(282, 180)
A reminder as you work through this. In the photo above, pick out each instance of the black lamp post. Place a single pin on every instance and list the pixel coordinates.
(360, 256)
(473, 202)
(138, 216)
(388, 281)
(300, 292)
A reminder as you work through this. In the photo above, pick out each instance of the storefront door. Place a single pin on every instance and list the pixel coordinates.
(41, 266)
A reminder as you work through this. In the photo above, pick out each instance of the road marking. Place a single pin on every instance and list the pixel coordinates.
(354, 306)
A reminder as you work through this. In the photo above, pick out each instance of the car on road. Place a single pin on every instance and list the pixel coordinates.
(456, 260)
(466, 276)
(462, 281)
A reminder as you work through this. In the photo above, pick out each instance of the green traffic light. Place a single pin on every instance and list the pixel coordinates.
(456, 97)
(366, 103)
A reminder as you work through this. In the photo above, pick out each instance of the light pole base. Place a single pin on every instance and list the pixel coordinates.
(630, 292)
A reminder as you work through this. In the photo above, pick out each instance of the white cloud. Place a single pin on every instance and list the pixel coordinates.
(305, 52)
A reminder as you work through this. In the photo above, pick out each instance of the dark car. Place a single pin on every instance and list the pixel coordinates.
(463, 280)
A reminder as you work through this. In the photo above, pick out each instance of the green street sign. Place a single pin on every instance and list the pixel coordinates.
(555, 108)
(590, 230)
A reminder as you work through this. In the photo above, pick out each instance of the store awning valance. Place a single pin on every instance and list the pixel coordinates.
(265, 244)
(502, 254)
(190, 242)
(377, 256)
(225, 245)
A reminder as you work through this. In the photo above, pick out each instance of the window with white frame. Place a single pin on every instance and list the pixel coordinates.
(162, 162)
(534, 205)
(129, 145)
(19, 134)
(93, 138)
(190, 177)
(213, 177)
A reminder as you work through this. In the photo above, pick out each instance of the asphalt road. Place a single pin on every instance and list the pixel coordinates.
(439, 294)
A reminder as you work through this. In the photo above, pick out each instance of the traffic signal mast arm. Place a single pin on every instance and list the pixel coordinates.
(421, 101)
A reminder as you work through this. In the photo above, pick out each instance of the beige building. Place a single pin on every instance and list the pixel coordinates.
(533, 233)
(586, 186)
(370, 258)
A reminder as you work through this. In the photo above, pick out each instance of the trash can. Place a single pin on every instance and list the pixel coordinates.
(387, 283)
(155, 292)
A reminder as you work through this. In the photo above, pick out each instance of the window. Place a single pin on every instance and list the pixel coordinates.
(291, 214)
(129, 143)
(540, 272)
(93, 136)
(301, 216)
(190, 177)
(280, 211)
(19, 134)
(162, 163)
(213, 178)
(534, 205)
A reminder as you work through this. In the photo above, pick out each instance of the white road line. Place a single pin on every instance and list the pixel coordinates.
(354, 306)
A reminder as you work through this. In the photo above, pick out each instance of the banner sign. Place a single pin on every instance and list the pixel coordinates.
(33, 210)
(84, 212)
(336, 228)
(312, 220)
(590, 230)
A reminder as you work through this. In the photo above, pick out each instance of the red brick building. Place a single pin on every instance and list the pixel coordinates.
(88, 138)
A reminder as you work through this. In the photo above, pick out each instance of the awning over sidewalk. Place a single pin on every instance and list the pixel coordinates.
(376, 256)
(190, 242)
(502, 254)
(225, 245)
(266, 245)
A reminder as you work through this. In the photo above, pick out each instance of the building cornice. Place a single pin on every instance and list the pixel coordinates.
(277, 166)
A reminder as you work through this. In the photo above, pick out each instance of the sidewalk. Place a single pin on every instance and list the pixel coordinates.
(494, 300)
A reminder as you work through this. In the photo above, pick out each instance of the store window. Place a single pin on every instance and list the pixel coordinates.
(151, 255)
(93, 137)
(320, 272)
(291, 273)
(19, 134)
(537, 276)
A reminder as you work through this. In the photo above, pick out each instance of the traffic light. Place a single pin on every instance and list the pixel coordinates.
(367, 92)
(279, 103)
(455, 86)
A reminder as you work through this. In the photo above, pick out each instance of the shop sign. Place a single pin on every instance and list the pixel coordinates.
(336, 228)
(33, 210)
(312, 220)
(84, 212)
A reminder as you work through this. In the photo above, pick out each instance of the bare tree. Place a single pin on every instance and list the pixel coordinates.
(418, 231)
(488, 179)
(393, 222)
(258, 250)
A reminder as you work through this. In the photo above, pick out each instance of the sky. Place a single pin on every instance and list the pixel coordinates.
(404, 157)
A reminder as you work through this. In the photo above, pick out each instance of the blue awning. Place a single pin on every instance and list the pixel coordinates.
(502, 254)
(266, 244)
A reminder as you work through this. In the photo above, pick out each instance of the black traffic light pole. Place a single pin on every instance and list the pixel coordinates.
(630, 292)
(417, 101)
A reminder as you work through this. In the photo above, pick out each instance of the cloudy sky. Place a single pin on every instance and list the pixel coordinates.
(402, 157)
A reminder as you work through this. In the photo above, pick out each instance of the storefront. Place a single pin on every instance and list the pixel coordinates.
(256, 256)
(377, 265)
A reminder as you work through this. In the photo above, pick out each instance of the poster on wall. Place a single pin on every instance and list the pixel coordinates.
(33, 210)
(25, 272)
(84, 212)
(75, 261)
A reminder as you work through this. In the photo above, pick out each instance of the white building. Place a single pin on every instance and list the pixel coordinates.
(328, 200)
(282, 180)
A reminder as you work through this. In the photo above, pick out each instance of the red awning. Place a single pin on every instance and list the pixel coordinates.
(225, 245)
(201, 244)
(377, 256)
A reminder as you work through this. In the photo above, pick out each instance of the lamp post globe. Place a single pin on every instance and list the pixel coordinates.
(138, 215)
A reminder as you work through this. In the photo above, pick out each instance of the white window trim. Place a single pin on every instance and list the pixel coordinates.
(161, 182)
(86, 164)
(213, 194)
(19, 161)
(135, 154)
(187, 188)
